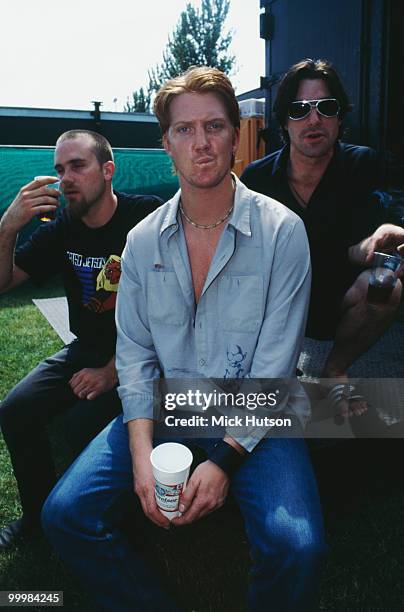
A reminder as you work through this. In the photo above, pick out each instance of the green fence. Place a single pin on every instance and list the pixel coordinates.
(144, 171)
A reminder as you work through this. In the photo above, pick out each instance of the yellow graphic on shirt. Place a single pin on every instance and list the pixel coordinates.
(110, 274)
(107, 286)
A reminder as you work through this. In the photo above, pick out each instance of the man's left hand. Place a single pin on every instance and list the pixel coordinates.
(89, 383)
(387, 239)
(206, 491)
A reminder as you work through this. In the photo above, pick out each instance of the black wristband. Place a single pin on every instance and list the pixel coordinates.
(226, 457)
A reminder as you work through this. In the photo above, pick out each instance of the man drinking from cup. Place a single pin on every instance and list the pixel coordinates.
(215, 284)
(83, 245)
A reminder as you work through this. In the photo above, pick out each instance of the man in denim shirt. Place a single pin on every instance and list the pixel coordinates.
(215, 284)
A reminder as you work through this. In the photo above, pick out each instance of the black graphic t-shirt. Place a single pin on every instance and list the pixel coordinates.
(88, 260)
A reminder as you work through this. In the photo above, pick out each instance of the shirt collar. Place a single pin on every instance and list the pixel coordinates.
(281, 160)
(239, 218)
(170, 219)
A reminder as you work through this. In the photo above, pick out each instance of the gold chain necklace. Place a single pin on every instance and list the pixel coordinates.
(211, 225)
(201, 225)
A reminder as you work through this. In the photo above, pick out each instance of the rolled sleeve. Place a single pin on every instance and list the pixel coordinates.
(136, 360)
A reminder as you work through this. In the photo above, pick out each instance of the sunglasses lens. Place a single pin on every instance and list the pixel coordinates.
(328, 108)
(298, 110)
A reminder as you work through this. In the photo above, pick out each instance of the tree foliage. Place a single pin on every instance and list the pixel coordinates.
(140, 102)
(197, 40)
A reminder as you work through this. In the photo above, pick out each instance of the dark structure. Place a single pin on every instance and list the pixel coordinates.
(41, 127)
(362, 39)
(253, 93)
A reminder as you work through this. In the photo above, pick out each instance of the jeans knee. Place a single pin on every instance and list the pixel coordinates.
(311, 555)
(301, 555)
(55, 514)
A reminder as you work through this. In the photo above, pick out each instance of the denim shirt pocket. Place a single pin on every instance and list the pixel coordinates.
(240, 303)
(166, 304)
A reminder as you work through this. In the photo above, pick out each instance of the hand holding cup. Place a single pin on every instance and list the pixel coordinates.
(383, 276)
(171, 463)
(54, 189)
(32, 200)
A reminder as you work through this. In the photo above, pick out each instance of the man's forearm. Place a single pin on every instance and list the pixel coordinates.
(110, 366)
(357, 253)
(8, 238)
(140, 437)
(387, 238)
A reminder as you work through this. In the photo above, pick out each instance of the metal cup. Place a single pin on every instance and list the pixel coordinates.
(383, 277)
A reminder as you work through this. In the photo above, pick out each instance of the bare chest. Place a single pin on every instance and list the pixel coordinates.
(302, 193)
(201, 245)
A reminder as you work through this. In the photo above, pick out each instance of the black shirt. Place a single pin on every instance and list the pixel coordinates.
(340, 213)
(88, 260)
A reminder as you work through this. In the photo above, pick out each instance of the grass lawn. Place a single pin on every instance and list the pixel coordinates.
(25, 339)
(207, 564)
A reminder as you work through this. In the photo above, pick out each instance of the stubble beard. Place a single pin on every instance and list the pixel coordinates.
(197, 183)
(79, 209)
(318, 152)
(214, 182)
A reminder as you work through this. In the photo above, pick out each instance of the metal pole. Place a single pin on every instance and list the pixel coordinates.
(266, 31)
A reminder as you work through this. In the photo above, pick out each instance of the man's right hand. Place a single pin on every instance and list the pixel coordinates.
(140, 443)
(32, 199)
(388, 238)
(144, 489)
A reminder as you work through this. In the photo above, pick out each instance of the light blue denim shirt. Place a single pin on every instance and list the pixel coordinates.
(251, 316)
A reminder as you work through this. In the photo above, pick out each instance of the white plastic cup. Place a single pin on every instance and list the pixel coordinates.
(170, 463)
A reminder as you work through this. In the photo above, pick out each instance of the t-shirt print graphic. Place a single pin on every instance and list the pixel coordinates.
(99, 292)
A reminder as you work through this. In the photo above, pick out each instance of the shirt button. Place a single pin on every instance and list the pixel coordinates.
(202, 362)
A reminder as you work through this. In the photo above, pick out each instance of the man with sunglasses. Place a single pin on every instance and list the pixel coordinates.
(329, 184)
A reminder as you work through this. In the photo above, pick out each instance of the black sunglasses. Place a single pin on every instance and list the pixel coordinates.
(328, 107)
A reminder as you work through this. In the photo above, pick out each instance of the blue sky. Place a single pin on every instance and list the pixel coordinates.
(63, 55)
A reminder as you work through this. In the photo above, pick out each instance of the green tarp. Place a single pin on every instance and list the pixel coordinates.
(143, 171)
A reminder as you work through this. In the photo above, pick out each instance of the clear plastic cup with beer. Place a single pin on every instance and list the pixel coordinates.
(50, 215)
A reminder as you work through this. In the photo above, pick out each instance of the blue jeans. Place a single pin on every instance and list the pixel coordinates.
(275, 489)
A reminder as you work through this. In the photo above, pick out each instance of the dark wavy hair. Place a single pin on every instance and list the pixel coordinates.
(308, 69)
